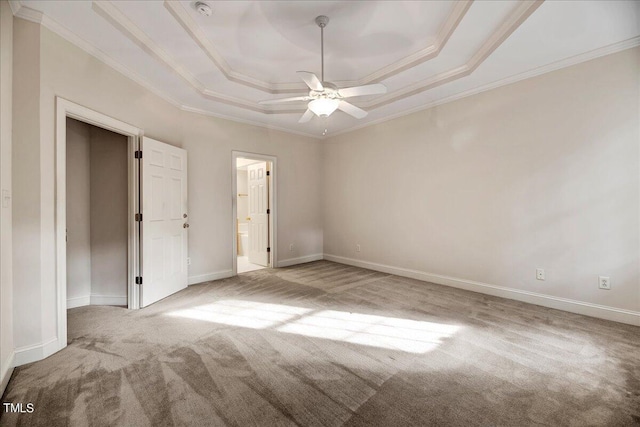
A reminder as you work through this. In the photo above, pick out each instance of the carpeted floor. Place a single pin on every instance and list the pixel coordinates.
(326, 344)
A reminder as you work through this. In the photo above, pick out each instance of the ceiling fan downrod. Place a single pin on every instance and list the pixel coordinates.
(322, 22)
(325, 97)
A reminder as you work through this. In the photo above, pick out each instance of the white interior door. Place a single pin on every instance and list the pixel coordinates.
(164, 220)
(259, 222)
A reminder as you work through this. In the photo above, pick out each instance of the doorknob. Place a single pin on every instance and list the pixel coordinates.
(184, 215)
(185, 225)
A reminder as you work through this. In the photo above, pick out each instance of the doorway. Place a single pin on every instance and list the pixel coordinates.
(156, 183)
(97, 208)
(253, 212)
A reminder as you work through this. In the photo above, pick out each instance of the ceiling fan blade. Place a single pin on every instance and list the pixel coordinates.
(277, 101)
(306, 116)
(311, 80)
(352, 110)
(374, 89)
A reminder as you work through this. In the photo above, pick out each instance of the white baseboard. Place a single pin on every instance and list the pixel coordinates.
(209, 277)
(588, 309)
(300, 260)
(108, 300)
(7, 370)
(94, 299)
(78, 301)
(33, 353)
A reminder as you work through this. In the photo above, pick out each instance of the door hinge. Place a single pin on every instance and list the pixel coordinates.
(268, 211)
(138, 154)
(268, 249)
(268, 173)
(138, 280)
(138, 217)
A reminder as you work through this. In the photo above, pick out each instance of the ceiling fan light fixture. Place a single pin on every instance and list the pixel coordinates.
(325, 97)
(323, 107)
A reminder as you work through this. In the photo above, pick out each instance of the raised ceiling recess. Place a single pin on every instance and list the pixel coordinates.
(223, 58)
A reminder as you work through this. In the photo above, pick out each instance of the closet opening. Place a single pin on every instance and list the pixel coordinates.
(98, 207)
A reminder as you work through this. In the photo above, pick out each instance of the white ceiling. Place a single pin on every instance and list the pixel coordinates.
(425, 52)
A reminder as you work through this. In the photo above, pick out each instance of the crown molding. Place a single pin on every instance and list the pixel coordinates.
(249, 122)
(28, 14)
(458, 12)
(181, 15)
(554, 66)
(187, 23)
(120, 22)
(124, 25)
(15, 6)
(37, 17)
(495, 39)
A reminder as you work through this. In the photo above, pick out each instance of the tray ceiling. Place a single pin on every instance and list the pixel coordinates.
(425, 52)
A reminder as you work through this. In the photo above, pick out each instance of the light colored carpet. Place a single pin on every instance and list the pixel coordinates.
(326, 344)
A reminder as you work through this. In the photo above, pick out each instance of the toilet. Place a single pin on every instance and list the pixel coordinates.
(243, 239)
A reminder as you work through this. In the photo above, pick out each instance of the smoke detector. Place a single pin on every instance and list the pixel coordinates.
(203, 9)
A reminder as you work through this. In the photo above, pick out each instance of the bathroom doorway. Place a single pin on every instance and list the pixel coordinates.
(253, 194)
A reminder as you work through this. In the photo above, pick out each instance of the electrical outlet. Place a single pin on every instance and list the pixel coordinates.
(358, 247)
(604, 282)
(540, 273)
(188, 261)
(291, 247)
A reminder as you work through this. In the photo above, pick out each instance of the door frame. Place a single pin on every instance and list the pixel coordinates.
(64, 109)
(273, 188)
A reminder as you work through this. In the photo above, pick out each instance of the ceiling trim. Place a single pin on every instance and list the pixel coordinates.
(35, 16)
(15, 6)
(123, 24)
(31, 15)
(248, 122)
(198, 36)
(181, 15)
(506, 28)
(458, 12)
(554, 66)
(495, 39)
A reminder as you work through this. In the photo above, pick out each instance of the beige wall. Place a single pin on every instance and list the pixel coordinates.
(540, 173)
(61, 69)
(109, 216)
(29, 279)
(6, 287)
(78, 213)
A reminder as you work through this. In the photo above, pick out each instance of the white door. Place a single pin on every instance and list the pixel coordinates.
(259, 222)
(164, 220)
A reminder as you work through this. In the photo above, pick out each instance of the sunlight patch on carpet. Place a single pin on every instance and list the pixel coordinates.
(392, 333)
(246, 314)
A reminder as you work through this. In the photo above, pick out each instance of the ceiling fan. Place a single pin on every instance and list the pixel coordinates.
(325, 97)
